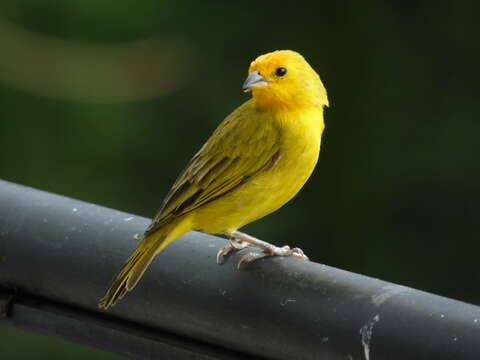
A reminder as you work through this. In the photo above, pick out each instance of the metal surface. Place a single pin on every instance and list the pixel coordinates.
(6, 298)
(65, 252)
(123, 337)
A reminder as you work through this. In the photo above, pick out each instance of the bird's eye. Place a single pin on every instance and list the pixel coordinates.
(281, 71)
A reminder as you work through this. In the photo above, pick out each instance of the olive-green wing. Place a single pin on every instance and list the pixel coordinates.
(238, 149)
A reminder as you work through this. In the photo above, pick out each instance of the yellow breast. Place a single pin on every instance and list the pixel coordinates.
(299, 145)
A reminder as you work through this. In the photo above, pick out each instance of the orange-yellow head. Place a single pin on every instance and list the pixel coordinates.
(283, 80)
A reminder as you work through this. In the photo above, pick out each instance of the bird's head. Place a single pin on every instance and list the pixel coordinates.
(283, 80)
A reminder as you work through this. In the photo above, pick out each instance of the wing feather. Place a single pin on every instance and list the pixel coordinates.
(238, 149)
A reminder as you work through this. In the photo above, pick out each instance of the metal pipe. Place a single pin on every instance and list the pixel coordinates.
(57, 255)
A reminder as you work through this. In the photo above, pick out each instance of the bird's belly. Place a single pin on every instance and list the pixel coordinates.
(261, 195)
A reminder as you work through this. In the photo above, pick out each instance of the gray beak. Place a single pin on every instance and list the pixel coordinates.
(253, 79)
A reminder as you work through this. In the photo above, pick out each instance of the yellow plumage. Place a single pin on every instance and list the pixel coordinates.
(257, 159)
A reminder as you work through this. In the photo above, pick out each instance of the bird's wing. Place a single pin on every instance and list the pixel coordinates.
(239, 148)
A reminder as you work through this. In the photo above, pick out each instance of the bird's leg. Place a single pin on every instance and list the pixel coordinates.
(268, 249)
(233, 245)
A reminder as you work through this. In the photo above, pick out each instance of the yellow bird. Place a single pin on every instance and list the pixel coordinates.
(257, 159)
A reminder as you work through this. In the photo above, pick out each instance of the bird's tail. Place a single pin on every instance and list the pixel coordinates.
(137, 263)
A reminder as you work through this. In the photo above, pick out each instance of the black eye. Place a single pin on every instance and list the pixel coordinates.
(281, 71)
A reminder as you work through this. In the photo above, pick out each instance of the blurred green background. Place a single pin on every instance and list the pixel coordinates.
(106, 101)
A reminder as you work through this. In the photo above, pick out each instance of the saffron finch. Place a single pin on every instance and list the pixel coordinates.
(257, 159)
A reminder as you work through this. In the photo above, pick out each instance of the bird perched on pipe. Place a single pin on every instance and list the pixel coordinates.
(257, 159)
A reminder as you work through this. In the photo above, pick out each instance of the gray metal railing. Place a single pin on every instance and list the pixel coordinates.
(57, 256)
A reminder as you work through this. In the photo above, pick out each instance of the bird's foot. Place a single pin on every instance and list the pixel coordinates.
(239, 241)
(272, 251)
(233, 245)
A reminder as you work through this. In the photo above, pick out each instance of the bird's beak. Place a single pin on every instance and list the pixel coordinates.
(253, 79)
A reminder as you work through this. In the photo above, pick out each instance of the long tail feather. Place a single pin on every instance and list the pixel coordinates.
(132, 270)
(142, 256)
